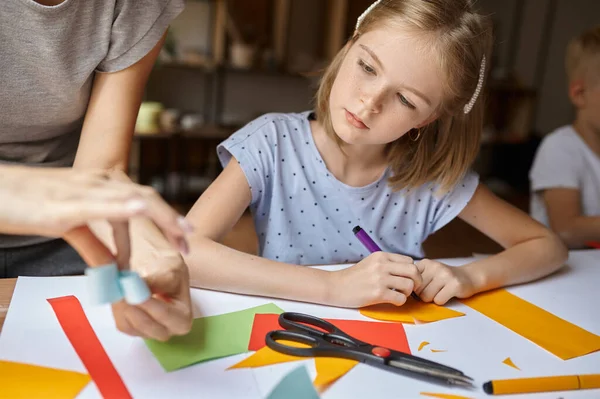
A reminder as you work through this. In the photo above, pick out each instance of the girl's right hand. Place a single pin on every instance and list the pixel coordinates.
(379, 278)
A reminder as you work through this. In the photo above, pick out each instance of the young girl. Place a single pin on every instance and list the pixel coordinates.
(397, 125)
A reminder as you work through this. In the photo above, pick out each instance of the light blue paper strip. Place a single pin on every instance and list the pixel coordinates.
(134, 288)
(295, 385)
(103, 284)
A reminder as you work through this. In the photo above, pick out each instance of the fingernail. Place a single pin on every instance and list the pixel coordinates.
(185, 225)
(183, 247)
(136, 205)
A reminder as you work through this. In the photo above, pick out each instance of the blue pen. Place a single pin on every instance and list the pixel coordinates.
(368, 242)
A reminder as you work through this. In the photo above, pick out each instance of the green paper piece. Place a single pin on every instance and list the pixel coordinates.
(295, 385)
(211, 338)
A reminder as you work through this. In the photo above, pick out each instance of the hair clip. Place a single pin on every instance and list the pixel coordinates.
(364, 14)
(471, 103)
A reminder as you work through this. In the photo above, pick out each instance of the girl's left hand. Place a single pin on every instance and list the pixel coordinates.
(442, 282)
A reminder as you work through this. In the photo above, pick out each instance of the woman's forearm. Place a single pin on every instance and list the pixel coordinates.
(524, 262)
(216, 266)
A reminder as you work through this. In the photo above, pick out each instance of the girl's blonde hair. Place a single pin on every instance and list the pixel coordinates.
(460, 38)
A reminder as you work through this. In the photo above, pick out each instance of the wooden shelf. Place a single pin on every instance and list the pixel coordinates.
(203, 132)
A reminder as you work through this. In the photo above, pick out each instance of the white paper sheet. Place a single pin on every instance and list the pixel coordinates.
(474, 343)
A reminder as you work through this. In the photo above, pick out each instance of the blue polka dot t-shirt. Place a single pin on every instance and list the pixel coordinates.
(304, 215)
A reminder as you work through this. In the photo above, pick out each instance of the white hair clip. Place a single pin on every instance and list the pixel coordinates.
(364, 14)
(469, 105)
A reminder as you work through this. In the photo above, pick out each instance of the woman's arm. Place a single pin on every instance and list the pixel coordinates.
(112, 111)
(563, 206)
(106, 140)
(105, 144)
(532, 251)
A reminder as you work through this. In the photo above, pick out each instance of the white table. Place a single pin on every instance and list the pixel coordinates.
(475, 344)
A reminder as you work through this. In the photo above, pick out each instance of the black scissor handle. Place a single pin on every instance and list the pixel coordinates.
(317, 346)
(272, 340)
(306, 323)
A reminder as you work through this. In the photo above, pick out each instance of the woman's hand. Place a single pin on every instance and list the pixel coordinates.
(169, 311)
(50, 202)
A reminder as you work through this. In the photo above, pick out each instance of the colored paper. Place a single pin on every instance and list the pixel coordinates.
(423, 344)
(389, 335)
(508, 361)
(295, 385)
(444, 395)
(80, 333)
(211, 337)
(411, 312)
(27, 381)
(267, 356)
(556, 335)
(438, 350)
(330, 369)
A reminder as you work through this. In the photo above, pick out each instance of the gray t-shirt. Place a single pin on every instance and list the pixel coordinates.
(564, 160)
(304, 215)
(49, 57)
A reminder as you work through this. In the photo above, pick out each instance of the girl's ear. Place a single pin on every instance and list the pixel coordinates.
(576, 91)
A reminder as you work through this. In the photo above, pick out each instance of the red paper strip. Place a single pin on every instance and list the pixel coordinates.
(593, 244)
(80, 333)
(389, 335)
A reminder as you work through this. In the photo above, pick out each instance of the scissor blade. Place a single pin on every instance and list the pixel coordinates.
(450, 378)
(424, 363)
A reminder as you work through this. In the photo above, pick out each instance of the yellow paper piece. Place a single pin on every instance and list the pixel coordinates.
(19, 380)
(330, 369)
(508, 361)
(267, 356)
(556, 335)
(444, 395)
(422, 345)
(412, 311)
(438, 350)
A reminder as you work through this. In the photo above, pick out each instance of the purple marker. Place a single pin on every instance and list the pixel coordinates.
(368, 242)
(364, 238)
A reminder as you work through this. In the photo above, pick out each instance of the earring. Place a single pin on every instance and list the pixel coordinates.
(418, 134)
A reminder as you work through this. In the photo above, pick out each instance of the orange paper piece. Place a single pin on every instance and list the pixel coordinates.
(389, 335)
(330, 369)
(438, 350)
(412, 311)
(267, 356)
(20, 380)
(508, 361)
(444, 395)
(423, 344)
(89, 247)
(556, 335)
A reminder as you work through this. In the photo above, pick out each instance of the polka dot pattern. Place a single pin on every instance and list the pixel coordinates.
(304, 215)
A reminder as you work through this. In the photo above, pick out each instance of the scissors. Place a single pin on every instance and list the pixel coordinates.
(325, 339)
